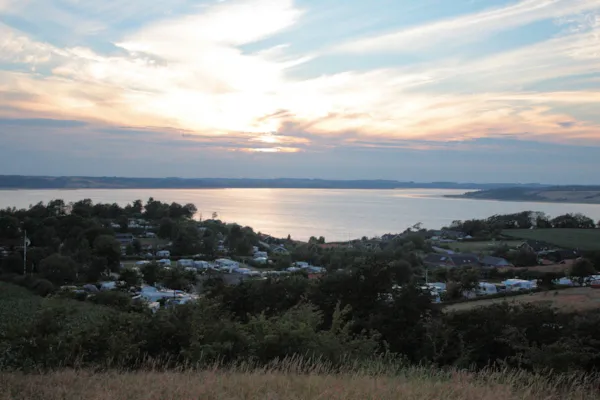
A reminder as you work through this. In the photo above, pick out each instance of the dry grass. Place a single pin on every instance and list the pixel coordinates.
(541, 268)
(573, 299)
(276, 383)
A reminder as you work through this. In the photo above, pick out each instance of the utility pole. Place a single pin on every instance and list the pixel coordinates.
(25, 253)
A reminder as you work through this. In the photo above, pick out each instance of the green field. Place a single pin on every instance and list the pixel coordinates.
(582, 239)
(485, 247)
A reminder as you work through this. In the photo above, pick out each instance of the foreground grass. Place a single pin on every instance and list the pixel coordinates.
(278, 383)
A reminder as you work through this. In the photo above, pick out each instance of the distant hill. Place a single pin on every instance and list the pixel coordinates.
(554, 194)
(83, 182)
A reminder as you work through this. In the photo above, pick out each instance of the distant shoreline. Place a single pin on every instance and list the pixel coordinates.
(556, 195)
(18, 182)
(463, 197)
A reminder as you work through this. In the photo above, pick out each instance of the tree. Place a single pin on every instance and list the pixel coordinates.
(153, 273)
(130, 277)
(581, 269)
(108, 247)
(187, 240)
(189, 210)
(9, 227)
(58, 269)
(166, 228)
(178, 278)
(137, 246)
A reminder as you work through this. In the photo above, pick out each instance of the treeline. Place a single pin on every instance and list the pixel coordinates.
(494, 225)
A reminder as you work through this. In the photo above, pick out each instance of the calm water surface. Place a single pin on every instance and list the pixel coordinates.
(335, 214)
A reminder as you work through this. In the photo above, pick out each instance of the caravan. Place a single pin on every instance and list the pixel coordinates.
(519, 284)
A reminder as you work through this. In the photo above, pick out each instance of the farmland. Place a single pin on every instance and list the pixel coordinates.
(485, 247)
(572, 299)
(582, 239)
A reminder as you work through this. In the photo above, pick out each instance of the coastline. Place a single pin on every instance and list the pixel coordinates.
(515, 200)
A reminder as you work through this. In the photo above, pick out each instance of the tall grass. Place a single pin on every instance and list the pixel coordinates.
(296, 378)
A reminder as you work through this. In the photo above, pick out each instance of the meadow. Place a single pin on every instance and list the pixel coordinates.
(485, 247)
(582, 239)
(288, 380)
(566, 300)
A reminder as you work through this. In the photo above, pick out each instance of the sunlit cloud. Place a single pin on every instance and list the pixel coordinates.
(233, 74)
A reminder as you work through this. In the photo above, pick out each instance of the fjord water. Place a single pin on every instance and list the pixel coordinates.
(334, 214)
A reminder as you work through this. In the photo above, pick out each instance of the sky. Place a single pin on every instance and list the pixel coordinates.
(414, 90)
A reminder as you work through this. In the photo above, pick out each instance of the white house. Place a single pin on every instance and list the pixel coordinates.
(439, 286)
(486, 289)
(226, 264)
(165, 262)
(301, 264)
(163, 253)
(110, 285)
(260, 254)
(202, 264)
(185, 263)
(280, 250)
(519, 284)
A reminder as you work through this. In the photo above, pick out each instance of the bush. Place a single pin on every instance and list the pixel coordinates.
(112, 298)
(43, 287)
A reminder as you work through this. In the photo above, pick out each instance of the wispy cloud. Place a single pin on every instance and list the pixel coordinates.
(469, 28)
(228, 75)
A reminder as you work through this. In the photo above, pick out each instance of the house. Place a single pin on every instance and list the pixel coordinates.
(185, 263)
(438, 260)
(451, 260)
(124, 238)
(563, 255)
(534, 246)
(163, 253)
(450, 234)
(441, 250)
(519, 284)
(486, 289)
(280, 250)
(226, 264)
(495, 262)
(202, 264)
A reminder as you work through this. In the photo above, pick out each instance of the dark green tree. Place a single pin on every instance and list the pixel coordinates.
(60, 270)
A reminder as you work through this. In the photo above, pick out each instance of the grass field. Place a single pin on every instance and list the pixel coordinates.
(274, 383)
(583, 239)
(566, 300)
(18, 306)
(482, 247)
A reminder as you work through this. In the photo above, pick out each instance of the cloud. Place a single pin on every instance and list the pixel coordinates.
(225, 80)
(468, 28)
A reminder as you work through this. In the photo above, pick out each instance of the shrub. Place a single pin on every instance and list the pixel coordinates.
(113, 298)
(43, 287)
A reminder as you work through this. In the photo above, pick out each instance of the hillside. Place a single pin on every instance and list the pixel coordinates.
(555, 194)
(82, 182)
(415, 384)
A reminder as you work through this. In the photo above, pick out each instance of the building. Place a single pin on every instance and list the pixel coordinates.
(124, 238)
(495, 262)
(280, 250)
(535, 246)
(451, 260)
